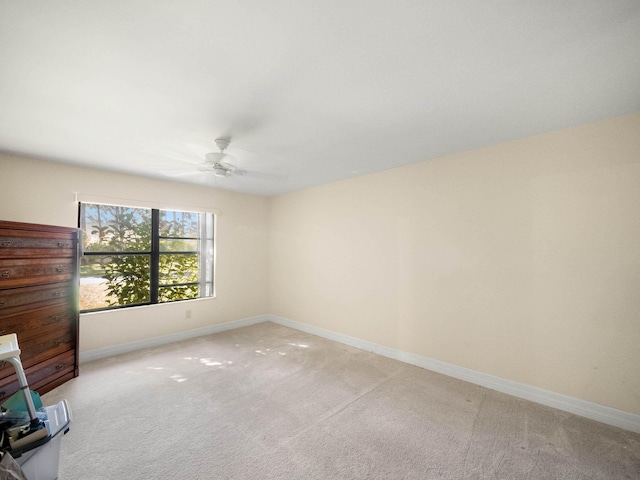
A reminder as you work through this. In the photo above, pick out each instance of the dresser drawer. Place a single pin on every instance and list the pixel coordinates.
(40, 348)
(32, 297)
(42, 376)
(38, 321)
(24, 272)
(22, 243)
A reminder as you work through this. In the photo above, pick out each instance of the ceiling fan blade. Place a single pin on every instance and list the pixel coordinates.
(180, 174)
(227, 166)
(266, 176)
(194, 149)
(172, 161)
(183, 170)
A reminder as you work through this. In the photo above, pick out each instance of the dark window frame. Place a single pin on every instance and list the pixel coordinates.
(205, 241)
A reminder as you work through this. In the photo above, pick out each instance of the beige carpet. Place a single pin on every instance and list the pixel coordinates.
(269, 402)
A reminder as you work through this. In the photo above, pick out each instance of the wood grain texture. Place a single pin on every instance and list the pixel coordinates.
(38, 302)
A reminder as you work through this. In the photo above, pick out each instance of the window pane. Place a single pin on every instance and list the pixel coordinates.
(110, 228)
(174, 245)
(178, 224)
(182, 292)
(177, 268)
(119, 248)
(114, 280)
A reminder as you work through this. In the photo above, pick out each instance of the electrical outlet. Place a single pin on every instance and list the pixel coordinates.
(187, 314)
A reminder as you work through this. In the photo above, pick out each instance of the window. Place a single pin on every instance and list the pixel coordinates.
(140, 256)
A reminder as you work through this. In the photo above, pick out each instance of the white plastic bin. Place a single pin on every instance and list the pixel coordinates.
(42, 462)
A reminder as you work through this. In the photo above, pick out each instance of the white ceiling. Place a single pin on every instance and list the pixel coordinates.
(309, 92)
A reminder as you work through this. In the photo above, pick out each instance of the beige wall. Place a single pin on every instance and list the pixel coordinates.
(37, 191)
(520, 260)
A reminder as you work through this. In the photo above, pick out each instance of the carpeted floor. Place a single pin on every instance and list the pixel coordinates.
(269, 402)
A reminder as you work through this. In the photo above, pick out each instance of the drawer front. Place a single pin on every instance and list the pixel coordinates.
(20, 243)
(28, 297)
(39, 321)
(38, 349)
(42, 375)
(23, 272)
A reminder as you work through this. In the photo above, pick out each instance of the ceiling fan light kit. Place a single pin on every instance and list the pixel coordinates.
(221, 171)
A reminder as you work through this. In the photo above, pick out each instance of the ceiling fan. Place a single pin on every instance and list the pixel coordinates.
(201, 159)
(220, 163)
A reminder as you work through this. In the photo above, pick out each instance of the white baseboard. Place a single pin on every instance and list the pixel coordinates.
(99, 353)
(593, 411)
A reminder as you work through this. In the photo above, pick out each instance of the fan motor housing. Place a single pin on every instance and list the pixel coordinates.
(216, 157)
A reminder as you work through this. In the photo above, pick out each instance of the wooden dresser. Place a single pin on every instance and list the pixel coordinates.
(38, 302)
